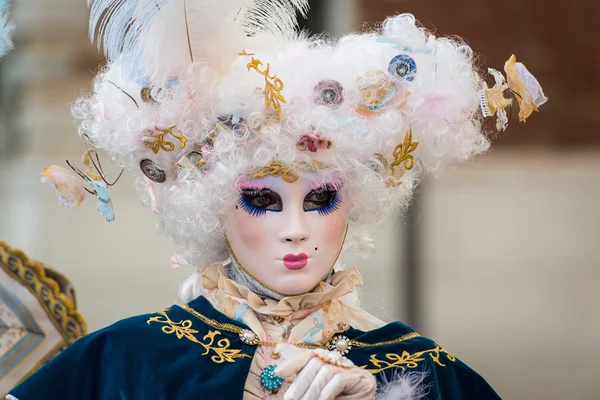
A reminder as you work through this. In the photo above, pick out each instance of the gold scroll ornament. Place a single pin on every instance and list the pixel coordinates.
(279, 169)
(158, 142)
(273, 85)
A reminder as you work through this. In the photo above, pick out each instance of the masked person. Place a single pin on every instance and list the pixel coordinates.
(267, 153)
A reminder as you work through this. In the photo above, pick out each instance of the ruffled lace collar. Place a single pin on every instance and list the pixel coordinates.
(341, 283)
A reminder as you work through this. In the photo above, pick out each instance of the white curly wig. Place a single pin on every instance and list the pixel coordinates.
(199, 95)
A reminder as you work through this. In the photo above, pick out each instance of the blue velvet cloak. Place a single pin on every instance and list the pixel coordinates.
(175, 354)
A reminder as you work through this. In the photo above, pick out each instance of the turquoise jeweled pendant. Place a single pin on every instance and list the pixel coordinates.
(271, 381)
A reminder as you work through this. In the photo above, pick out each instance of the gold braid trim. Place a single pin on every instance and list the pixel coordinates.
(402, 338)
(212, 322)
(238, 330)
(59, 307)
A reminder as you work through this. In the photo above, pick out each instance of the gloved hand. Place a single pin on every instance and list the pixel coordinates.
(316, 379)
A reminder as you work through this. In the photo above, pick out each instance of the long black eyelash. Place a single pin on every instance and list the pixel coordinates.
(335, 202)
(249, 208)
(255, 192)
(328, 187)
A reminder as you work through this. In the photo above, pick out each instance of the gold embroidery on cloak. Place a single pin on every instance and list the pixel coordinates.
(183, 329)
(408, 360)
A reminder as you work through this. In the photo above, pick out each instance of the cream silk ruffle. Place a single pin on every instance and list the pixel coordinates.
(342, 283)
(315, 317)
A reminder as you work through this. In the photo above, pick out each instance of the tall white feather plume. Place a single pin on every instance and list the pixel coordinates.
(156, 39)
(274, 17)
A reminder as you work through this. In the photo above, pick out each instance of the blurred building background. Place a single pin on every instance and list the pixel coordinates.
(499, 259)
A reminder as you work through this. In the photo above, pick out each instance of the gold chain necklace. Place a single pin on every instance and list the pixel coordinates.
(338, 342)
(246, 335)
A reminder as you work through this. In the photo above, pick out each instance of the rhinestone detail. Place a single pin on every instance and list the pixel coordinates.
(334, 358)
(341, 344)
(249, 337)
(270, 380)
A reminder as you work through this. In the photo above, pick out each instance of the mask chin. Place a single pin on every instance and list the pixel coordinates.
(241, 275)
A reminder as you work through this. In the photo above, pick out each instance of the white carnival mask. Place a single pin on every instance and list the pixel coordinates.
(287, 236)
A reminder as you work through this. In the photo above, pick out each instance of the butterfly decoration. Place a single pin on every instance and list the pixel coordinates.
(71, 185)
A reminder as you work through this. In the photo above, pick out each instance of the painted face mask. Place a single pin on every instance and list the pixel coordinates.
(287, 236)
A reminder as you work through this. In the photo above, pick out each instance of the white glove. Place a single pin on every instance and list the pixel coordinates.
(317, 379)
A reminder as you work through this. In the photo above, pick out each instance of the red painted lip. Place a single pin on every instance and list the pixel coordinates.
(294, 262)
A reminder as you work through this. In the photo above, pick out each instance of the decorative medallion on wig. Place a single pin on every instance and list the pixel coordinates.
(379, 92)
(152, 172)
(149, 94)
(404, 67)
(313, 142)
(329, 93)
(270, 380)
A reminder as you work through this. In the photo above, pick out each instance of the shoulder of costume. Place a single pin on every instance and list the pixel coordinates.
(168, 352)
(199, 312)
(396, 350)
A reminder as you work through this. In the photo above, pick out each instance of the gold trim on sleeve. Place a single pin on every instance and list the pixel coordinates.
(184, 329)
(407, 360)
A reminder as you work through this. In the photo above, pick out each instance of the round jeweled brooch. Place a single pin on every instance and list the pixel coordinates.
(249, 337)
(270, 380)
(341, 344)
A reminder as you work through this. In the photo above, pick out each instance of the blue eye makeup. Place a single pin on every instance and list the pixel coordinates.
(257, 202)
(325, 200)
